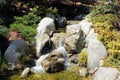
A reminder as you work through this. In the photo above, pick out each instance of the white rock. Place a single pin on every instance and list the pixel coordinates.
(83, 72)
(45, 26)
(106, 73)
(85, 26)
(96, 52)
(91, 36)
(25, 72)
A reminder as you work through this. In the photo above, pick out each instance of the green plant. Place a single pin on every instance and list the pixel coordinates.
(42, 10)
(64, 75)
(83, 57)
(107, 18)
(4, 31)
(106, 8)
(30, 20)
(26, 25)
(53, 10)
(27, 32)
(113, 61)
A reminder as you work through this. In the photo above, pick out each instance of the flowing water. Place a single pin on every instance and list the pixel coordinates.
(38, 67)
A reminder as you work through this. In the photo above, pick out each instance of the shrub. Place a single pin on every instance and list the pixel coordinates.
(27, 32)
(42, 10)
(4, 31)
(83, 57)
(113, 61)
(26, 25)
(106, 8)
(30, 20)
(107, 18)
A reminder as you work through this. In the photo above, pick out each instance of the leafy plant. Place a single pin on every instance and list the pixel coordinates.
(30, 20)
(113, 61)
(105, 8)
(26, 31)
(4, 31)
(42, 10)
(26, 25)
(83, 57)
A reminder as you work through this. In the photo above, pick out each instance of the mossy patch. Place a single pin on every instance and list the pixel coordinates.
(64, 75)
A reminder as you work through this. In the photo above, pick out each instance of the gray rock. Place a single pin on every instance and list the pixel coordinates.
(48, 14)
(15, 50)
(83, 71)
(61, 22)
(25, 72)
(96, 52)
(74, 38)
(106, 73)
(79, 17)
(74, 59)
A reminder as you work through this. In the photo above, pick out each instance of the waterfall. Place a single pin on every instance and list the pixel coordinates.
(38, 67)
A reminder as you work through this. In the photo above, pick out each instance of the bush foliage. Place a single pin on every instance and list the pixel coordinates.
(103, 18)
(105, 8)
(83, 57)
(4, 31)
(26, 25)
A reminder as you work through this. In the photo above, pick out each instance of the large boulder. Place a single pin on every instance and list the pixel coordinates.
(46, 26)
(15, 50)
(74, 38)
(55, 61)
(96, 52)
(106, 73)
